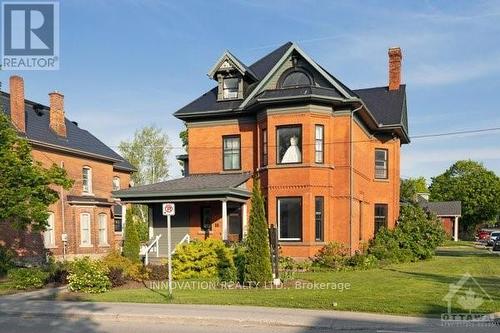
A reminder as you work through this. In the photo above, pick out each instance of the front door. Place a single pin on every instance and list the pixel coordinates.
(234, 222)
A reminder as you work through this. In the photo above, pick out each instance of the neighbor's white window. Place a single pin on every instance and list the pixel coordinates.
(85, 229)
(103, 229)
(116, 183)
(87, 179)
(49, 239)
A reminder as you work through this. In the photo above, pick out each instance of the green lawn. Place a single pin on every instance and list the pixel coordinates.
(414, 288)
(6, 288)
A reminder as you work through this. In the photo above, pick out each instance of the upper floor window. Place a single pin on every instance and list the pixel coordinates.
(319, 142)
(230, 87)
(232, 152)
(289, 144)
(381, 157)
(49, 239)
(87, 180)
(296, 78)
(264, 147)
(116, 183)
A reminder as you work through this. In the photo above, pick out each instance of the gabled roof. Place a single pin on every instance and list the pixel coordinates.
(441, 208)
(240, 66)
(192, 185)
(77, 140)
(384, 110)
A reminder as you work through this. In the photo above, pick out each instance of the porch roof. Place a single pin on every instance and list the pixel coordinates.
(213, 186)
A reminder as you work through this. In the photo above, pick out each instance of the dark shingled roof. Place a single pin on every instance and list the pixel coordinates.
(442, 208)
(388, 108)
(77, 139)
(192, 183)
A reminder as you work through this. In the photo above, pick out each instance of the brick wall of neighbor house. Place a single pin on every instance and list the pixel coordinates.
(306, 180)
(448, 224)
(102, 182)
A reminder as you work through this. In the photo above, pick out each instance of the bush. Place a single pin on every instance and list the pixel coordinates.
(333, 255)
(28, 278)
(58, 272)
(157, 272)
(131, 270)
(88, 276)
(258, 255)
(207, 259)
(416, 237)
(239, 258)
(6, 258)
(362, 261)
(116, 277)
(131, 245)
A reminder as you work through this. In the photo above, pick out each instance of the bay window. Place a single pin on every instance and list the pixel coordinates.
(290, 218)
(319, 138)
(289, 144)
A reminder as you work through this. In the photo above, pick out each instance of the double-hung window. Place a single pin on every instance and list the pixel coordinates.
(232, 152)
(319, 203)
(230, 87)
(319, 144)
(381, 157)
(380, 216)
(49, 239)
(85, 239)
(289, 144)
(87, 180)
(103, 229)
(264, 147)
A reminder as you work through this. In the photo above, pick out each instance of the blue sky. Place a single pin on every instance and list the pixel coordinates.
(126, 64)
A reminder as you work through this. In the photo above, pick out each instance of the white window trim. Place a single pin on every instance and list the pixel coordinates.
(105, 243)
(81, 230)
(89, 189)
(119, 183)
(51, 232)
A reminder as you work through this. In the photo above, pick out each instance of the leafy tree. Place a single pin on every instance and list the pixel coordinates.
(148, 152)
(476, 187)
(410, 187)
(25, 186)
(183, 135)
(131, 245)
(257, 255)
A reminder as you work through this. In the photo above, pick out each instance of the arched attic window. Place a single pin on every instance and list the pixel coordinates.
(295, 78)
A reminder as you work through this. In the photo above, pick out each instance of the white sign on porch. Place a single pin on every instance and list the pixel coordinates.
(168, 209)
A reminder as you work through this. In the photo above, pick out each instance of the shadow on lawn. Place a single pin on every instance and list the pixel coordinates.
(464, 253)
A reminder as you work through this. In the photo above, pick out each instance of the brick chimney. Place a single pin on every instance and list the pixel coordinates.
(57, 122)
(395, 57)
(17, 114)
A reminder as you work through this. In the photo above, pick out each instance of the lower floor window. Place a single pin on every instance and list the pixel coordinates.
(118, 224)
(103, 229)
(290, 218)
(49, 239)
(85, 229)
(380, 217)
(318, 218)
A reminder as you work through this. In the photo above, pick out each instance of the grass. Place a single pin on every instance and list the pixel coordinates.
(6, 288)
(413, 288)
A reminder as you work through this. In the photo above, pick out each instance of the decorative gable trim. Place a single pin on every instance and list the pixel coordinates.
(229, 61)
(295, 47)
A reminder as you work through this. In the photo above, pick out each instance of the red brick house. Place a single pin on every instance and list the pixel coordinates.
(86, 220)
(328, 157)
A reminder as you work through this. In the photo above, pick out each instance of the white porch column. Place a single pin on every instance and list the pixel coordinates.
(455, 229)
(244, 220)
(224, 220)
(124, 217)
(151, 231)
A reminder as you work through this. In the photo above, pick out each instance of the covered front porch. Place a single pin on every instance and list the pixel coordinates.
(206, 206)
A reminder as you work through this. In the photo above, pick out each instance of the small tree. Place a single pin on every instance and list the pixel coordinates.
(258, 259)
(131, 244)
(410, 187)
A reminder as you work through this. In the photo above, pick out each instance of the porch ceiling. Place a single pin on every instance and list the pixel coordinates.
(196, 187)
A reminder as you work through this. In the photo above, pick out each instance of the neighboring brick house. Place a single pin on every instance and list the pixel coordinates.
(86, 216)
(328, 157)
(448, 212)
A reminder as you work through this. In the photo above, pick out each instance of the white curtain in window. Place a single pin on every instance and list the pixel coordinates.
(85, 229)
(49, 239)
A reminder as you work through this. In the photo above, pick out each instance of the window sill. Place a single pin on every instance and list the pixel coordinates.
(231, 171)
(382, 180)
(88, 194)
(51, 247)
(120, 233)
(86, 245)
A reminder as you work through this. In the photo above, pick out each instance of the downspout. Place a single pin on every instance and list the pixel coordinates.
(351, 176)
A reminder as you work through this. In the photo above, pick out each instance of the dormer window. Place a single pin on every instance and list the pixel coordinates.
(230, 87)
(295, 78)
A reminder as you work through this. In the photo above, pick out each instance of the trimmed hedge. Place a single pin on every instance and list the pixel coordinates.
(28, 278)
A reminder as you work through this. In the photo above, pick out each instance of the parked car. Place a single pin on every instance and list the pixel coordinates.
(494, 236)
(496, 245)
(483, 235)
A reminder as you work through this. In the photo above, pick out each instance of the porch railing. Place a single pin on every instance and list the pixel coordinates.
(145, 249)
(185, 239)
